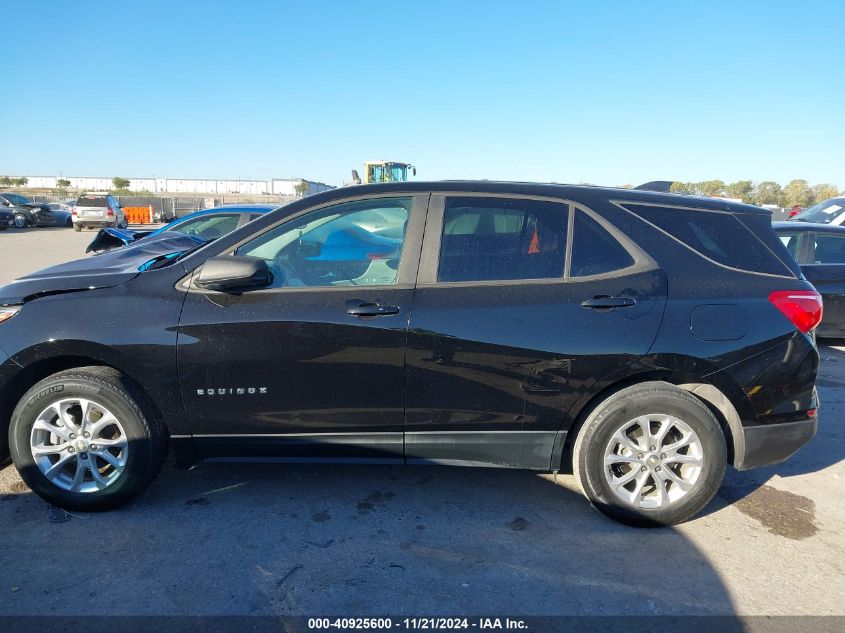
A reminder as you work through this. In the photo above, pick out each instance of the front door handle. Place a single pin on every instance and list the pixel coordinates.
(371, 310)
(605, 302)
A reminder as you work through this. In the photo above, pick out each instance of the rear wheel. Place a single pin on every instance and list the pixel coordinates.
(651, 454)
(77, 228)
(86, 439)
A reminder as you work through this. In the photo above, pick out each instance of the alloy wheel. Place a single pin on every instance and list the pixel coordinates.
(79, 445)
(653, 461)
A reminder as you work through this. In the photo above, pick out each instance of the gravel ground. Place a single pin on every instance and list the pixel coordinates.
(370, 540)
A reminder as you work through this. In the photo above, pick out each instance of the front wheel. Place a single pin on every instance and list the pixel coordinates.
(651, 454)
(20, 221)
(86, 439)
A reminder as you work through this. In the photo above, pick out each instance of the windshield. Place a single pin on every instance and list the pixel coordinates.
(15, 198)
(827, 212)
(398, 172)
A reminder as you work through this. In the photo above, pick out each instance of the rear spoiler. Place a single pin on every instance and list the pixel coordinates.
(663, 186)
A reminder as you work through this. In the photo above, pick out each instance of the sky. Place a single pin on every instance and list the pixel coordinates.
(607, 93)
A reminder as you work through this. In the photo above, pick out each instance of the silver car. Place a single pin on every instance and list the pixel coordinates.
(98, 209)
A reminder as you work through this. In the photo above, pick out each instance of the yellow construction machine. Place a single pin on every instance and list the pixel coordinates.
(383, 171)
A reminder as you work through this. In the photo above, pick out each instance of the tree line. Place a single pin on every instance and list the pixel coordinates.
(13, 182)
(796, 192)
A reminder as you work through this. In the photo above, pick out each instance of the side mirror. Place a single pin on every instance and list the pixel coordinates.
(234, 273)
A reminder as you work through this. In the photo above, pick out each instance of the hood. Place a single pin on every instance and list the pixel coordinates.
(101, 271)
(35, 206)
(108, 239)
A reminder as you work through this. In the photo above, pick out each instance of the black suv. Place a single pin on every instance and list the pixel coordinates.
(641, 340)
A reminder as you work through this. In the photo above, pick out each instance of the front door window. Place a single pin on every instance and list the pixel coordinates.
(351, 244)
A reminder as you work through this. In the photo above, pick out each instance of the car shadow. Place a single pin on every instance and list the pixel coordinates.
(276, 539)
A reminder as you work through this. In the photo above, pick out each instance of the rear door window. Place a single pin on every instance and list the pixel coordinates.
(718, 236)
(492, 239)
(594, 250)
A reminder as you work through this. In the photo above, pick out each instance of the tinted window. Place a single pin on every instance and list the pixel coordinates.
(830, 249)
(92, 201)
(336, 246)
(718, 236)
(594, 250)
(488, 239)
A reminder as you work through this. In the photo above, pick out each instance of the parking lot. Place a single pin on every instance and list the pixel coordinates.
(369, 540)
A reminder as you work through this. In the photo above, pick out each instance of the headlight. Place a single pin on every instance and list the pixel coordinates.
(8, 312)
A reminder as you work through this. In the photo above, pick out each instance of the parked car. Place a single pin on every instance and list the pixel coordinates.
(208, 224)
(7, 219)
(641, 340)
(830, 211)
(25, 212)
(820, 251)
(62, 213)
(98, 209)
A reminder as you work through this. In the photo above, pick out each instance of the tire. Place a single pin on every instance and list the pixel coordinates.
(137, 431)
(20, 221)
(657, 403)
(77, 228)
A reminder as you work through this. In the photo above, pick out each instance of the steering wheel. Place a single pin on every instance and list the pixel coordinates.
(283, 268)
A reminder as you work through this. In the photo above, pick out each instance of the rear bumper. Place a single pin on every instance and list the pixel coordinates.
(767, 444)
(94, 222)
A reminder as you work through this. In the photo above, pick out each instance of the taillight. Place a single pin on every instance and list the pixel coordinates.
(110, 212)
(802, 307)
(73, 211)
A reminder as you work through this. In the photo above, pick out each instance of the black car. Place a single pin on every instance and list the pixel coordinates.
(25, 212)
(7, 218)
(641, 340)
(820, 251)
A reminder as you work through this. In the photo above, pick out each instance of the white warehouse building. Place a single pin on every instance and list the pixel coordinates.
(274, 186)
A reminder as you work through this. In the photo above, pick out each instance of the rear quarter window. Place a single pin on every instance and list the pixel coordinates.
(718, 236)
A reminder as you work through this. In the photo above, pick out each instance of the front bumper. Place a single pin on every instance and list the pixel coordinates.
(767, 444)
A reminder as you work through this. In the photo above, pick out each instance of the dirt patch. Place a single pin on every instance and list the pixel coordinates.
(782, 513)
(518, 524)
(321, 517)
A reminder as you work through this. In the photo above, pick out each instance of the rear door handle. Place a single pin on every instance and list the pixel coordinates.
(371, 310)
(604, 302)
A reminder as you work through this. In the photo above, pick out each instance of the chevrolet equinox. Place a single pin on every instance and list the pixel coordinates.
(639, 340)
